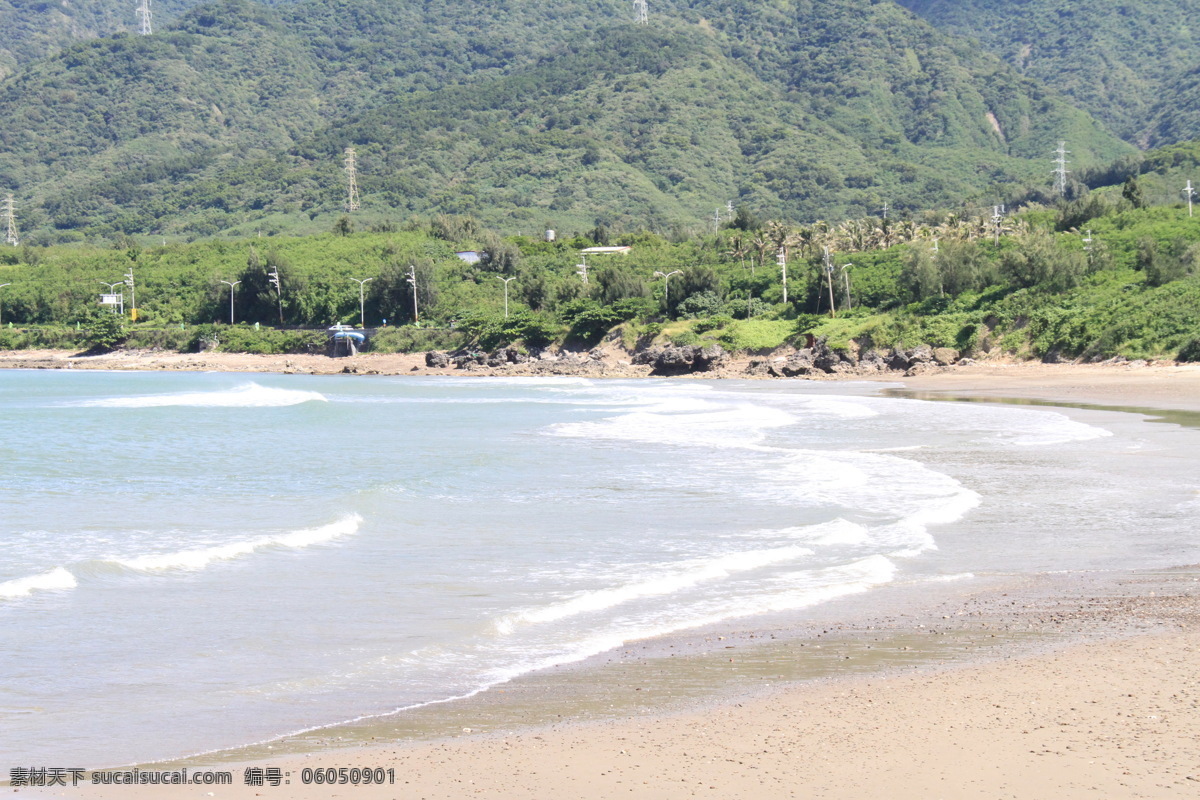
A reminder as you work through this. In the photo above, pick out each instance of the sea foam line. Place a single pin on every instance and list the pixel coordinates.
(57, 578)
(201, 557)
(249, 395)
(601, 599)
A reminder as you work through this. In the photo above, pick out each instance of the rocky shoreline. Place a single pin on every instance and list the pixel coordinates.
(610, 359)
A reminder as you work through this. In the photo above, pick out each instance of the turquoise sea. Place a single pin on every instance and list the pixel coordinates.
(198, 561)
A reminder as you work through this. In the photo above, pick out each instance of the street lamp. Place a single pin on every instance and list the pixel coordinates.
(506, 280)
(231, 290)
(2, 285)
(846, 277)
(362, 313)
(666, 276)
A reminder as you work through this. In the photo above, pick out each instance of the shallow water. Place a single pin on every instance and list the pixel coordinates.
(199, 561)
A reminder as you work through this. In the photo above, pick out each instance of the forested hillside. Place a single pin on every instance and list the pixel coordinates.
(1117, 60)
(235, 119)
(30, 31)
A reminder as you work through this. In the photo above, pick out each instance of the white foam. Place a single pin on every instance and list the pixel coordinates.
(838, 531)
(841, 407)
(1048, 428)
(199, 558)
(678, 578)
(250, 395)
(57, 578)
(684, 421)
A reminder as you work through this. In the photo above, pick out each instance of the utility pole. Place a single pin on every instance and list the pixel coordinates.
(362, 312)
(997, 216)
(132, 294)
(781, 260)
(581, 268)
(412, 279)
(10, 218)
(351, 180)
(886, 208)
(144, 15)
(829, 282)
(1060, 169)
(666, 276)
(231, 290)
(506, 280)
(641, 14)
(1189, 191)
(273, 277)
(717, 221)
(2, 285)
(933, 257)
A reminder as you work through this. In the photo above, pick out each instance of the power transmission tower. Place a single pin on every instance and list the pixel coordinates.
(1189, 191)
(1060, 169)
(717, 220)
(10, 219)
(144, 18)
(886, 208)
(641, 15)
(351, 180)
(997, 216)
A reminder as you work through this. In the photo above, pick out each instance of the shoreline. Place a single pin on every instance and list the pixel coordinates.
(1087, 692)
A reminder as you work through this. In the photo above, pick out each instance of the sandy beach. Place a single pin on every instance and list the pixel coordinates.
(1066, 686)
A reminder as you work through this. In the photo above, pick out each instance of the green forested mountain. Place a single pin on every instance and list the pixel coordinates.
(1175, 117)
(30, 31)
(235, 118)
(1115, 60)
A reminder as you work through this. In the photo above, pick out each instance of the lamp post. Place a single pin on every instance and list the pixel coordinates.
(412, 278)
(112, 289)
(666, 276)
(2, 285)
(231, 286)
(362, 308)
(506, 281)
(846, 276)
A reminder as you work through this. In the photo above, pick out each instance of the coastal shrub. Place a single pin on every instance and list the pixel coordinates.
(264, 340)
(1190, 351)
(103, 331)
(685, 338)
(172, 338)
(490, 331)
(15, 339)
(711, 324)
(407, 339)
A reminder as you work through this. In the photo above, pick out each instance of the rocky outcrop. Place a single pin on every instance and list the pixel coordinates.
(436, 359)
(682, 359)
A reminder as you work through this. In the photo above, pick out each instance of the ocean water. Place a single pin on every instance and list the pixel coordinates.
(191, 562)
